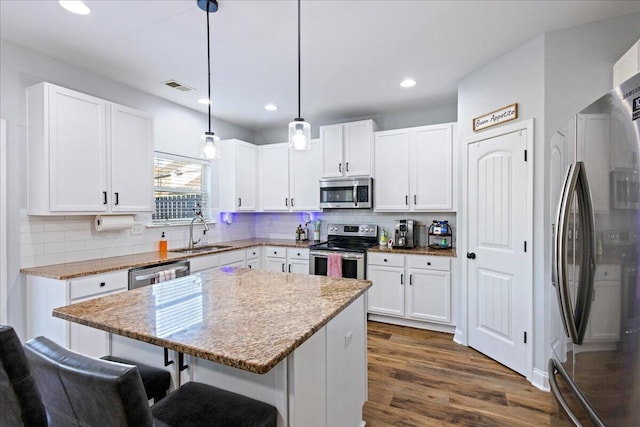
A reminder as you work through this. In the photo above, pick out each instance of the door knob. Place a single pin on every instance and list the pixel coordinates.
(471, 255)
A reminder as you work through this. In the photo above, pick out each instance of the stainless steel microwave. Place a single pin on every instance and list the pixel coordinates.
(625, 189)
(346, 193)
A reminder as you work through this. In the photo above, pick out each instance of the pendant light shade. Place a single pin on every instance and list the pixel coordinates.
(299, 130)
(211, 149)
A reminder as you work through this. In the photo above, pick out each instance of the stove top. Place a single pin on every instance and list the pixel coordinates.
(349, 238)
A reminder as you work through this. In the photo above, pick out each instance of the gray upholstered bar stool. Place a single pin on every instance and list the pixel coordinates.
(20, 402)
(156, 381)
(90, 391)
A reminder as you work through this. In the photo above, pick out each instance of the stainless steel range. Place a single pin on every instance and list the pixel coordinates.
(351, 241)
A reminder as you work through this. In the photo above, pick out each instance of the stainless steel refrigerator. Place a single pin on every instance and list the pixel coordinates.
(594, 371)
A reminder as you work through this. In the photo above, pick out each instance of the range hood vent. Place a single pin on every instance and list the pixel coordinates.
(177, 85)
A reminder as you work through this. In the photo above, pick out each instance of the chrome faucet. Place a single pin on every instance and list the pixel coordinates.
(197, 216)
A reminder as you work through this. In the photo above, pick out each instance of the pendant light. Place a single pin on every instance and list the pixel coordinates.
(211, 149)
(299, 130)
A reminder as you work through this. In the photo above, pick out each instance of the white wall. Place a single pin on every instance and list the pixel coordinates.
(551, 77)
(177, 130)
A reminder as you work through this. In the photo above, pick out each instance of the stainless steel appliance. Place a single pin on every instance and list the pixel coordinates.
(151, 274)
(404, 237)
(351, 241)
(349, 193)
(594, 369)
(625, 184)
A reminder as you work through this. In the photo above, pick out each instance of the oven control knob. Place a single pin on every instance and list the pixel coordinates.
(362, 228)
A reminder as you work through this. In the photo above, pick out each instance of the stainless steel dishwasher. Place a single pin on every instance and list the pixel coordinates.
(149, 275)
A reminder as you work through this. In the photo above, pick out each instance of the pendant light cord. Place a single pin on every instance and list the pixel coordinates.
(208, 67)
(299, 59)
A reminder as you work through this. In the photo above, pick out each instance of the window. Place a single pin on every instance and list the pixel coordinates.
(180, 185)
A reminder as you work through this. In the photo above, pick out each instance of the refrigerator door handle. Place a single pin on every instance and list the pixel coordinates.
(560, 279)
(588, 254)
(556, 368)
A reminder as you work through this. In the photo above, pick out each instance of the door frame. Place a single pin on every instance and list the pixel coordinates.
(462, 334)
(3, 224)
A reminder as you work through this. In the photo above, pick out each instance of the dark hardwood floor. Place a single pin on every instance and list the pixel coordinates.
(422, 378)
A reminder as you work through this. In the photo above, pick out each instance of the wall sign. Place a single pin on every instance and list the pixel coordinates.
(493, 118)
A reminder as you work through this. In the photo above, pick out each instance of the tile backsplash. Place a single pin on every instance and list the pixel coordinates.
(52, 240)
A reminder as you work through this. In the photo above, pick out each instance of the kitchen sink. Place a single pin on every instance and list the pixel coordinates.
(199, 249)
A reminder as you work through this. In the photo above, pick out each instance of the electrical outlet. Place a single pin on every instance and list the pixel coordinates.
(348, 339)
(137, 228)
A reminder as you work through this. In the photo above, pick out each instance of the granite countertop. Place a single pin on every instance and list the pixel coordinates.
(416, 251)
(244, 318)
(98, 266)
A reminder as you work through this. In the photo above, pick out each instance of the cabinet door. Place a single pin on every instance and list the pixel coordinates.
(275, 264)
(391, 187)
(273, 173)
(331, 137)
(431, 166)
(429, 295)
(386, 296)
(358, 140)
(255, 264)
(246, 177)
(298, 266)
(77, 151)
(131, 160)
(303, 178)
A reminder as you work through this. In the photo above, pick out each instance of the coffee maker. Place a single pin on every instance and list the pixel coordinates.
(404, 237)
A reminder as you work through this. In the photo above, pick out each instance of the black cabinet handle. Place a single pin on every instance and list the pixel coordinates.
(298, 253)
(249, 266)
(347, 166)
(239, 201)
(292, 202)
(167, 362)
(402, 279)
(428, 262)
(286, 201)
(385, 260)
(406, 200)
(104, 197)
(283, 267)
(415, 199)
(471, 255)
(339, 167)
(411, 279)
(117, 198)
(181, 365)
(289, 268)
(102, 284)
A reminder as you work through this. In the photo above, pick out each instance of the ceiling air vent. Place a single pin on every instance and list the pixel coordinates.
(177, 85)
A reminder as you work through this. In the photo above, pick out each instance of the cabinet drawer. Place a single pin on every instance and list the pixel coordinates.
(295, 253)
(607, 272)
(232, 257)
(276, 252)
(253, 253)
(393, 260)
(100, 284)
(200, 263)
(430, 262)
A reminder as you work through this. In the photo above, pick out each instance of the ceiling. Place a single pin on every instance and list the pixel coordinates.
(354, 52)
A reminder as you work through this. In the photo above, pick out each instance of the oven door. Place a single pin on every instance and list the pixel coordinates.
(353, 264)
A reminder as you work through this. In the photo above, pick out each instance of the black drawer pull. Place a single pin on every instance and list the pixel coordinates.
(429, 263)
(104, 197)
(103, 284)
(385, 260)
(117, 198)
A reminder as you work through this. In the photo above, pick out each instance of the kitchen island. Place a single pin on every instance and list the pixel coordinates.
(297, 342)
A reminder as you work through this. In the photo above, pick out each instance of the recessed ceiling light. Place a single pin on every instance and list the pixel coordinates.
(75, 6)
(408, 83)
(270, 107)
(205, 101)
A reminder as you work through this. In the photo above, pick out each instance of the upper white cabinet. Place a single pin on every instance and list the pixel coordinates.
(347, 149)
(86, 155)
(288, 179)
(237, 169)
(414, 169)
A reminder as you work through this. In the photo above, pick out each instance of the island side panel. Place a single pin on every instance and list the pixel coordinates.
(347, 366)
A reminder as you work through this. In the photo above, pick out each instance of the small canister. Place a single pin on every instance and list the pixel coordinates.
(421, 235)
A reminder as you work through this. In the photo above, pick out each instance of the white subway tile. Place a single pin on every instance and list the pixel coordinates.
(63, 247)
(83, 255)
(42, 237)
(38, 260)
(33, 249)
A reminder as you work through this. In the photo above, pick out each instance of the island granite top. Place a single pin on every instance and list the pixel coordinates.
(244, 318)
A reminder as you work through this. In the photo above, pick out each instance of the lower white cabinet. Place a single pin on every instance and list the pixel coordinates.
(44, 294)
(254, 258)
(286, 260)
(415, 287)
(233, 259)
(204, 262)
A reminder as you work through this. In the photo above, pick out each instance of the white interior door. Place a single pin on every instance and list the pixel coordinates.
(3, 223)
(497, 266)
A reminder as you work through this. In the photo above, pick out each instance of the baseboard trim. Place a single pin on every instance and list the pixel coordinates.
(540, 379)
(412, 323)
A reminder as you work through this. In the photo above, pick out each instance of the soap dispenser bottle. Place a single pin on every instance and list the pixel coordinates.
(162, 244)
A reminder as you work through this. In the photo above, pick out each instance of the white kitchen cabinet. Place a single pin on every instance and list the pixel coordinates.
(237, 176)
(413, 287)
(235, 258)
(205, 262)
(288, 179)
(347, 149)
(44, 294)
(414, 169)
(286, 260)
(86, 155)
(254, 258)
